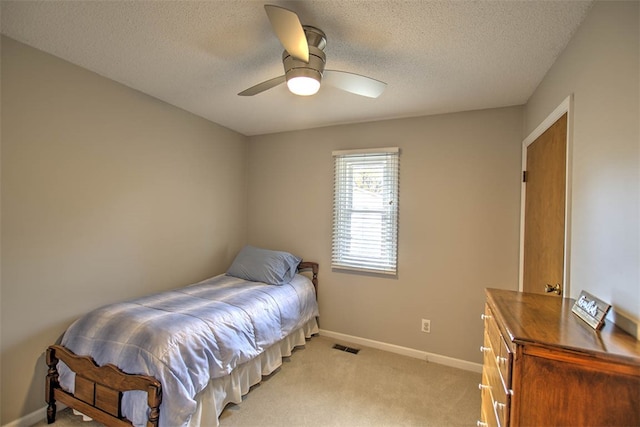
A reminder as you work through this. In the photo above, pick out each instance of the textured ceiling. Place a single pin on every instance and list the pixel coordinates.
(436, 57)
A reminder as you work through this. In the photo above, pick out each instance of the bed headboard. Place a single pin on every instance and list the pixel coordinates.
(313, 266)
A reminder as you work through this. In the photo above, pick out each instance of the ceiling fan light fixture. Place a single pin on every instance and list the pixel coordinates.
(303, 85)
(303, 78)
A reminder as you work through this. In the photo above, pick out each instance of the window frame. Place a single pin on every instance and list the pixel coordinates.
(343, 254)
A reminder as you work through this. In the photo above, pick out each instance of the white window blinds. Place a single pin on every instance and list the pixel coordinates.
(365, 210)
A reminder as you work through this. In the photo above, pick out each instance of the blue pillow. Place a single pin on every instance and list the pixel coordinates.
(263, 265)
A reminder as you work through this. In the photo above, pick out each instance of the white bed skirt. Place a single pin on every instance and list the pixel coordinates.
(230, 389)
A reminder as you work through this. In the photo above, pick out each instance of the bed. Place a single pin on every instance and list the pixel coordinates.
(177, 358)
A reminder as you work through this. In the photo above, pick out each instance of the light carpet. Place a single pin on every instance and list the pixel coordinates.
(320, 386)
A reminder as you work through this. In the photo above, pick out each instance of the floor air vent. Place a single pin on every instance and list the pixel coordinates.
(347, 349)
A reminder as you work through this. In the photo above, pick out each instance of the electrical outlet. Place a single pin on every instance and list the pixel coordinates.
(426, 326)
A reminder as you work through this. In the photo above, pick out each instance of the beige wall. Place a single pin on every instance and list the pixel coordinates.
(459, 219)
(107, 194)
(600, 67)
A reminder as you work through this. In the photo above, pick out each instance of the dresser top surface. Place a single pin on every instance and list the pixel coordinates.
(547, 320)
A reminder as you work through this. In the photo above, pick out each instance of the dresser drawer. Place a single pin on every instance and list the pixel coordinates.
(494, 395)
(487, 417)
(501, 351)
(496, 374)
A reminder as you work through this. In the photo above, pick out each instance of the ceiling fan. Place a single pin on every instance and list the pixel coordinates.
(304, 60)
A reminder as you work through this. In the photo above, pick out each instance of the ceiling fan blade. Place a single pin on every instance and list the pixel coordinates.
(261, 87)
(354, 83)
(288, 28)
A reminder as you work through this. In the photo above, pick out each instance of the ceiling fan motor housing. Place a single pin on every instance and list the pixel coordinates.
(293, 67)
(297, 68)
(315, 36)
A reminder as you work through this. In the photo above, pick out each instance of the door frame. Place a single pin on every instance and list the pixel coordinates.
(565, 107)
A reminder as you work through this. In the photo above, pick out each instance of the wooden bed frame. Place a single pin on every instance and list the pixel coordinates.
(99, 389)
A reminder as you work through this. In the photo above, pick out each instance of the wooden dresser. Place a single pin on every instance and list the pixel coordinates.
(543, 366)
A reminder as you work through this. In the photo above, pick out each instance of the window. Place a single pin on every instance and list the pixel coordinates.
(365, 210)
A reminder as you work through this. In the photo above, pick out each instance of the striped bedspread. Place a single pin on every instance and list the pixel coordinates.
(188, 336)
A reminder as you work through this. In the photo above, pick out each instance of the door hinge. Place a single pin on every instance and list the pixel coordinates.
(524, 176)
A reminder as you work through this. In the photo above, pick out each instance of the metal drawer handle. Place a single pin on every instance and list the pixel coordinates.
(481, 424)
(498, 406)
(484, 349)
(485, 316)
(501, 360)
(484, 387)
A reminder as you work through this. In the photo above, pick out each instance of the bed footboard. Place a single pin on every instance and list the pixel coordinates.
(98, 389)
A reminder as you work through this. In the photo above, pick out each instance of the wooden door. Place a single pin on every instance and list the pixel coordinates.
(544, 215)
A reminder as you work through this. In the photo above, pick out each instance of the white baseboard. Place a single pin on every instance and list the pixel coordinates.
(34, 417)
(29, 419)
(405, 351)
(625, 321)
